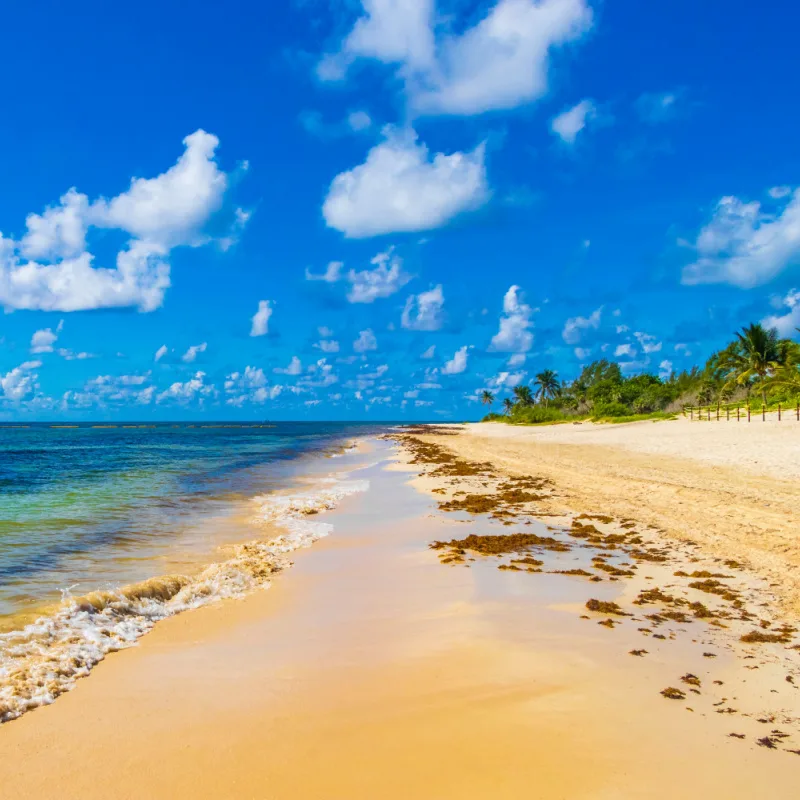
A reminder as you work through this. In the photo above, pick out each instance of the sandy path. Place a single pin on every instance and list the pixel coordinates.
(731, 488)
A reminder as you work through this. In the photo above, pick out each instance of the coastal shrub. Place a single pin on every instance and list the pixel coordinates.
(532, 415)
(611, 409)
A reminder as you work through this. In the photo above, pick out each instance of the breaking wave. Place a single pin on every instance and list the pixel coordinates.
(47, 657)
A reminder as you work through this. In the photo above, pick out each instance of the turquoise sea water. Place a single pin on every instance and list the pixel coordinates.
(87, 508)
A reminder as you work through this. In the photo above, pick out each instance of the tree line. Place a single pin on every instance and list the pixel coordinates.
(756, 366)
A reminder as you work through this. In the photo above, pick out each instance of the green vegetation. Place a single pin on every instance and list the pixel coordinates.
(757, 362)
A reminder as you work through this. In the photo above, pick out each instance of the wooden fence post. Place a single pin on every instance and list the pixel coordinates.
(764, 412)
(748, 412)
(691, 412)
(779, 412)
(737, 414)
(718, 412)
(728, 414)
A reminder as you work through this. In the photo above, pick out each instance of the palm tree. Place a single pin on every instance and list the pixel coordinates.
(756, 354)
(487, 398)
(524, 395)
(508, 405)
(547, 385)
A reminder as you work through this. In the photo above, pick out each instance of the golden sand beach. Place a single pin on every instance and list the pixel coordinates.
(379, 666)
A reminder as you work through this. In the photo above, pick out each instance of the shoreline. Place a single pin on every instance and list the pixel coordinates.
(53, 646)
(392, 674)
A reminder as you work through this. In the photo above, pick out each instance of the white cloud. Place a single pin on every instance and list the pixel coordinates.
(327, 345)
(582, 353)
(260, 320)
(778, 192)
(576, 325)
(506, 380)
(513, 335)
(294, 368)
(60, 232)
(249, 386)
(430, 352)
(622, 328)
(387, 278)
(332, 273)
(359, 121)
(160, 353)
(624, 350)
(788, 322)
(366, 341)
(682, 348)
(69, 355)
(458, 363)
(744, 246)
(568, 124)
(500, 62)
(20, 381)
(647, 342)
(423, 312)
(183, 392)
(191, 354)
(654, 107)
(171, 208)
(159, 213)
(517, 360)
(401, 188)
(665, 369)
(42, 341)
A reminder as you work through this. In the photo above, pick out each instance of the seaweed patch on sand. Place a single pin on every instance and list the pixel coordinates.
(672, 589)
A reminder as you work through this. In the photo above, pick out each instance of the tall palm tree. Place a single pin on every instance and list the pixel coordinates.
(524, 395)
(487, 398)
(547, 385)
(756, 355)
(508, 405)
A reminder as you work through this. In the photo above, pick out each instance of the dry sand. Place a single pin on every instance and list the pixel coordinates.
(371, 670)
(732, 487)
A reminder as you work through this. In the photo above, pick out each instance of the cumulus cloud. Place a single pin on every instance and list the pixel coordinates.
(50, 268)
(191, 354)
(250, 386)
(387, 278)
(260, 320)
(458, 363)
(332, 273)
(19, 382)
(186, 391)
(624, 350)
(423, 312)
(513, 335)
(788, 322)
(366, 341)
(574, 327)
(500, 62)
(42, 341)
(402, 188)
(647, 342)
(568, 124)
(664, 369)
(327, 345)
(294, 368)
(745, 246)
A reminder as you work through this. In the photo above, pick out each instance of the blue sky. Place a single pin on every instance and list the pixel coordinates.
(373, 209)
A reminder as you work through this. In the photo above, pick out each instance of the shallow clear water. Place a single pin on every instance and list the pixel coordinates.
(86, 508)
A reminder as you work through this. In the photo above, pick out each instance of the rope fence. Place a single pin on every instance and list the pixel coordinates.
(739, 413)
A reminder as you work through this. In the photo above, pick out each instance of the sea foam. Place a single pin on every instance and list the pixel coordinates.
(47, 657)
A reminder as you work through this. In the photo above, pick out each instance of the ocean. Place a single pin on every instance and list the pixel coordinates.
(105, 529)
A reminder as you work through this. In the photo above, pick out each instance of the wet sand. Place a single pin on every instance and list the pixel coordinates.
(370, 669)
(731, 487)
